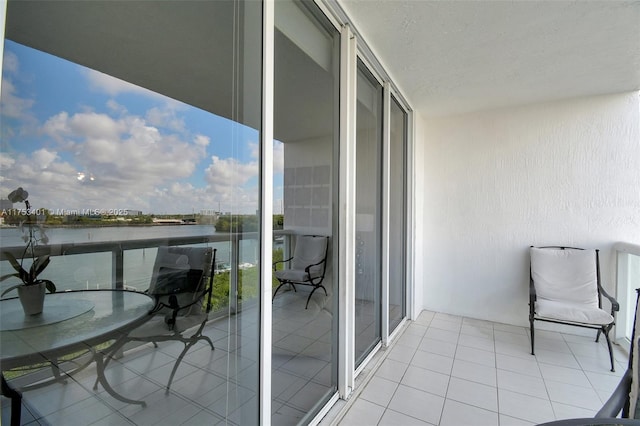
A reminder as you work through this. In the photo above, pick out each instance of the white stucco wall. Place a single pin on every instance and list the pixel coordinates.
(496, 182)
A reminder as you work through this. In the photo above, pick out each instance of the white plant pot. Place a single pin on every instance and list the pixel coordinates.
(32, 298)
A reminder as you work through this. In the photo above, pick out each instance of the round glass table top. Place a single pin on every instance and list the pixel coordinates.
(71, 321)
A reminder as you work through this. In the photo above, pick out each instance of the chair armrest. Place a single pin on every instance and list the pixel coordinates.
(306, 268)
(281, 261)
(615, 306)
(532, 291)
(618, 398)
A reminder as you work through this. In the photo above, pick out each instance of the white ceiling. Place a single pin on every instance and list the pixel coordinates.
(452, 57)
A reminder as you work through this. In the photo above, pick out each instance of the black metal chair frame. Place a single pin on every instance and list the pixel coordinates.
(619, 399)
(175, 308)
(315, 282)
(604, 329)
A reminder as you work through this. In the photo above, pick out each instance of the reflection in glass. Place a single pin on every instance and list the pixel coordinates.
(368, 198)
(141, 137)
(397, 213)
(304, 370)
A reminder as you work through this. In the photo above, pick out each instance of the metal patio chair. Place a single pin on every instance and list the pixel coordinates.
(307, 266)
(624, 399)
(565, 288)
(182, 285)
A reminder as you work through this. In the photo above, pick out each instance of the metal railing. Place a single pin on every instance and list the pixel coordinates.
(119, 248)
(627, 280)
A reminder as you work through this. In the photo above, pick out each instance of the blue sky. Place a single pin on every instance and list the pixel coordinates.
(75, 138)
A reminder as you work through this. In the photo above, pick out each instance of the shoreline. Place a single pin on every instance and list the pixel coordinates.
(109, 225)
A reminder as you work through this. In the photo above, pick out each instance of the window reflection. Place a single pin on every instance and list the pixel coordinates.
(368, 258)
(304, 369)
(397, 214)
(128, 146)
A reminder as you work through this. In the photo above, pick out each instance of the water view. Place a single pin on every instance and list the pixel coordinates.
(94, 270)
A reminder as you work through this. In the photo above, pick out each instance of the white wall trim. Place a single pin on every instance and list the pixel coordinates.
(412, 277)
(346, 214)
(385, 209)
(266, 210)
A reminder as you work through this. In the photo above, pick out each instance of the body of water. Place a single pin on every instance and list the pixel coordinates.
(94, 270)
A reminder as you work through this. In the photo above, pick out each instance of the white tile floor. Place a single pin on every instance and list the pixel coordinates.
(210, 387)
(448, 370)
(442, 370)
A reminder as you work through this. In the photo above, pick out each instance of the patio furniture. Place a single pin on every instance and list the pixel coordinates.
(589, 421)
(624, 398)
(181, 284)
(307, 266)
(565, 288)
(71, 322)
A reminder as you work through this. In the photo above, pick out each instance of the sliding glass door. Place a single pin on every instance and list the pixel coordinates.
(397, 214)
(138, 128)
(304, 348)
(368, 284)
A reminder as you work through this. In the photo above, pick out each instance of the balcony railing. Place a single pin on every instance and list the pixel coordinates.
(627, 280)
(119, 248)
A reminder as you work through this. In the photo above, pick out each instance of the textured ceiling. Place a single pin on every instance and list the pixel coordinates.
(452, 57)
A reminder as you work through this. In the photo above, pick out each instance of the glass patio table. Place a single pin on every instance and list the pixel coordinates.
(71, 322)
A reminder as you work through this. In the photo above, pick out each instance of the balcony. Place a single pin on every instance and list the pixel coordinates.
(210, 386)
(442, 370)
(450, 370)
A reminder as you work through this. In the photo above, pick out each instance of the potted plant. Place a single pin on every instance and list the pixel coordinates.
(32, 289)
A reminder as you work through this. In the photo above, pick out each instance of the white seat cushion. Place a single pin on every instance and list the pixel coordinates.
(572, 312)
(295, 275)
(565, 275)
(310, 250)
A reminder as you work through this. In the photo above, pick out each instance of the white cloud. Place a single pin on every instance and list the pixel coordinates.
(127, 159)
(166, 118)
(6, 161)
(278, 155)
(202, 140)
(115, 107)
(113, 86)
(135, 162)
(10, 62)
(226, 175)
(43, 158)
(13, 106)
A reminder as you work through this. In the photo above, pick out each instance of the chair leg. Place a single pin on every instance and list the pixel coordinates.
(107, 387)
(312, 291)
(598, 336)
(187, 346)
(278, 288)
(532, 337)
(175, 367)
(605, 331)
(188, 342)
(208, 340)
(16, 401)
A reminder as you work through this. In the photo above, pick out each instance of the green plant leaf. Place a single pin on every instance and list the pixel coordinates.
(4, 277)
(10, 288)
(16, 265)
(38, 266)
(51, 287)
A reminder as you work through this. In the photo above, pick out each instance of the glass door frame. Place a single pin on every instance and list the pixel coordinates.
(353, 48)
(266, 210)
